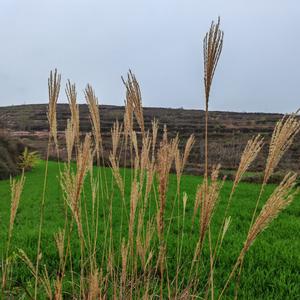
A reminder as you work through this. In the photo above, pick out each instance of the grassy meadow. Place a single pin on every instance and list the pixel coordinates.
(271, 269)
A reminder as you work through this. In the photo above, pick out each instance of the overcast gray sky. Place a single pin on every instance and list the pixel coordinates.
(161, 41)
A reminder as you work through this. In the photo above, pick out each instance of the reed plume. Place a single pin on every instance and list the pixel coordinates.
(94, 291)
(116, 132)
(165, 157)
(282, 196)
(250, 152)
(143, 243)
(134, 101)
(16, 187)
(181, 160)
(154, 137)
(128, 115)
(116, 173)
(212, 48)
(74, 109)
(198, 199)
(283, 135)
(72, 183)
(93, 105)
(135, 189)
(144, 157)
(70, 138)
(53, 90)
(149, 181)
(124, 254)
(60, 245)
(208, 202)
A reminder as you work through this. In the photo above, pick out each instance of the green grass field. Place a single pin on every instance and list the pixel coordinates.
(271, 269)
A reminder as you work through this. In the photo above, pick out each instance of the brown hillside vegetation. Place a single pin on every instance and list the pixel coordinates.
(228, 131)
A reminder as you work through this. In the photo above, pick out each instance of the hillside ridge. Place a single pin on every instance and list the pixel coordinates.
(228, 131)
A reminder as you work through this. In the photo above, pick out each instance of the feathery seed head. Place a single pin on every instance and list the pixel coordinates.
(212, 48)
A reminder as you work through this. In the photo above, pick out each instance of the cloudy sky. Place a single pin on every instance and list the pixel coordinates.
(161, 41)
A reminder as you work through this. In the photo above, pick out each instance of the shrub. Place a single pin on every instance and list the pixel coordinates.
(27, 160)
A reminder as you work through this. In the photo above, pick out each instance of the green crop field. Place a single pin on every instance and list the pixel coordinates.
(271, 268)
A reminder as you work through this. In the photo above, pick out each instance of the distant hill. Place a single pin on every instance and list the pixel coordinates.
(228, 131)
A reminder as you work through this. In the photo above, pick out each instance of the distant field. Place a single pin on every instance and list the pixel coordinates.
(271, 269)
